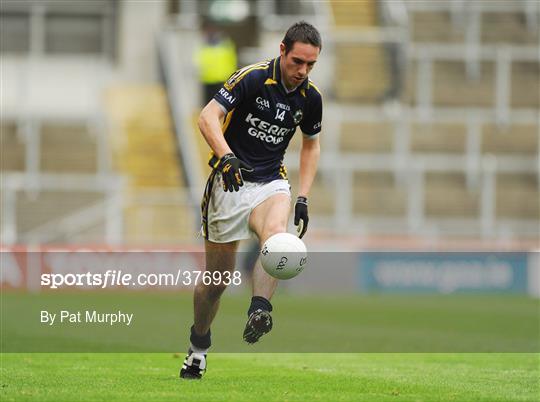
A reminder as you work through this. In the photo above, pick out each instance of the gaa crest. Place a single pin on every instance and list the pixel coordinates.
(297, 117)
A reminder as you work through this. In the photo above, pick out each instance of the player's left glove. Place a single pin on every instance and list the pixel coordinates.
(301, 218)
(230, 167)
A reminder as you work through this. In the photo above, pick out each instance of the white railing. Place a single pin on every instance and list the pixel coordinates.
(410, 168)
(38, 27)
(481, 5)
(108, 212)
(502, 55)
(414, 221)
(109, 209)
(34, 180)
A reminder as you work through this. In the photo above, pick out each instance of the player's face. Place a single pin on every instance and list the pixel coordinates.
(296, 65)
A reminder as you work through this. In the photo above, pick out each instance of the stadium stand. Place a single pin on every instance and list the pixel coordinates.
(454, 154)
(144, 150)
(437, 126)
(360, 68)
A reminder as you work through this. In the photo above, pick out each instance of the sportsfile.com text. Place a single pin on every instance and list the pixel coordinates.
(117, 278)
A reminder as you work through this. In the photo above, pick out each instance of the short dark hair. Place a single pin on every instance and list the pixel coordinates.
(304, 32)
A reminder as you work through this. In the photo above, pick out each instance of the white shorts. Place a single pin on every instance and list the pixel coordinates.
(225, 215)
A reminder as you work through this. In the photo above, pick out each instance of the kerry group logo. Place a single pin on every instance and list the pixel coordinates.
(271, 133)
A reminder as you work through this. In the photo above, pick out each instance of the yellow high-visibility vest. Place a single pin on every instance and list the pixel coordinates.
(216, 62)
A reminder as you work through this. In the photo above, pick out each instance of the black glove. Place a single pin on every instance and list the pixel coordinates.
(230, 167)
(301, 218)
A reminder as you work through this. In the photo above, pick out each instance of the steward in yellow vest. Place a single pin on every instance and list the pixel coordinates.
(216, 61)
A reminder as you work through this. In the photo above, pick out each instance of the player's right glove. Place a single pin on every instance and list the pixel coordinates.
(301, 218)
(231, 171)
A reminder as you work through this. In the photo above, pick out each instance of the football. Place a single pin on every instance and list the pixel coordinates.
(283, 256)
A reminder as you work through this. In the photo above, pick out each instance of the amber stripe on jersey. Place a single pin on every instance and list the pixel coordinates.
(237, 77)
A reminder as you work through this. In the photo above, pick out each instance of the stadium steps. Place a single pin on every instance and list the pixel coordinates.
(366, 137)
(507, 27)
(354, 13)
(441, 138)
(446, 193)
(449, 138)
(377, 137)
(496, 27)
(434, 26)
(363, 77)
(64, 148)
(34, 209)
(376, 194)
(517, 139)
(451, 86)
(12, 148)
(67, 148)
(144, 150)
(361, 69)
(447, 196)
(525, 78)
(518, 196)
(159, 224)
(143, 142)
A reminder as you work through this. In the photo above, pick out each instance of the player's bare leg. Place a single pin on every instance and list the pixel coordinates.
(219, 257)
(267, 219)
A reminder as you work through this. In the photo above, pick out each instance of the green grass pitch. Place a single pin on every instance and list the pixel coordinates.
(303, 323)
(272, 377)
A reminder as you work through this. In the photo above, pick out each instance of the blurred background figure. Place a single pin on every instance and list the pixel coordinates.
(216, 60)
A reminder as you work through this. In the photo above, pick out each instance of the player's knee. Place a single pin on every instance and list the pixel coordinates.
(273, 228)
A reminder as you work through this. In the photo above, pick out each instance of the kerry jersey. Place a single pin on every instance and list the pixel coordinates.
(262, 117)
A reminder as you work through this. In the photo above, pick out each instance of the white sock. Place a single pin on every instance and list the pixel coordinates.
(195, 349)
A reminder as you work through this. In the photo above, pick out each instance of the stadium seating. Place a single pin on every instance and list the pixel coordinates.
(145, 151)
(12, 148)
(155, 202)
(360, 68)
(68, 148)
(65, 148)
(447, 194)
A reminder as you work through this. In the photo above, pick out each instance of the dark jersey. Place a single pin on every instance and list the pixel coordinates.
(262, 117)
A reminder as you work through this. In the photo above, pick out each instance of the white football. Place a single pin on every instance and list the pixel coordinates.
(283, 256)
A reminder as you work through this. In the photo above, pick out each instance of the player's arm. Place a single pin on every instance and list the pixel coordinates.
(309, 159)
(227, 163)
(210, 121)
